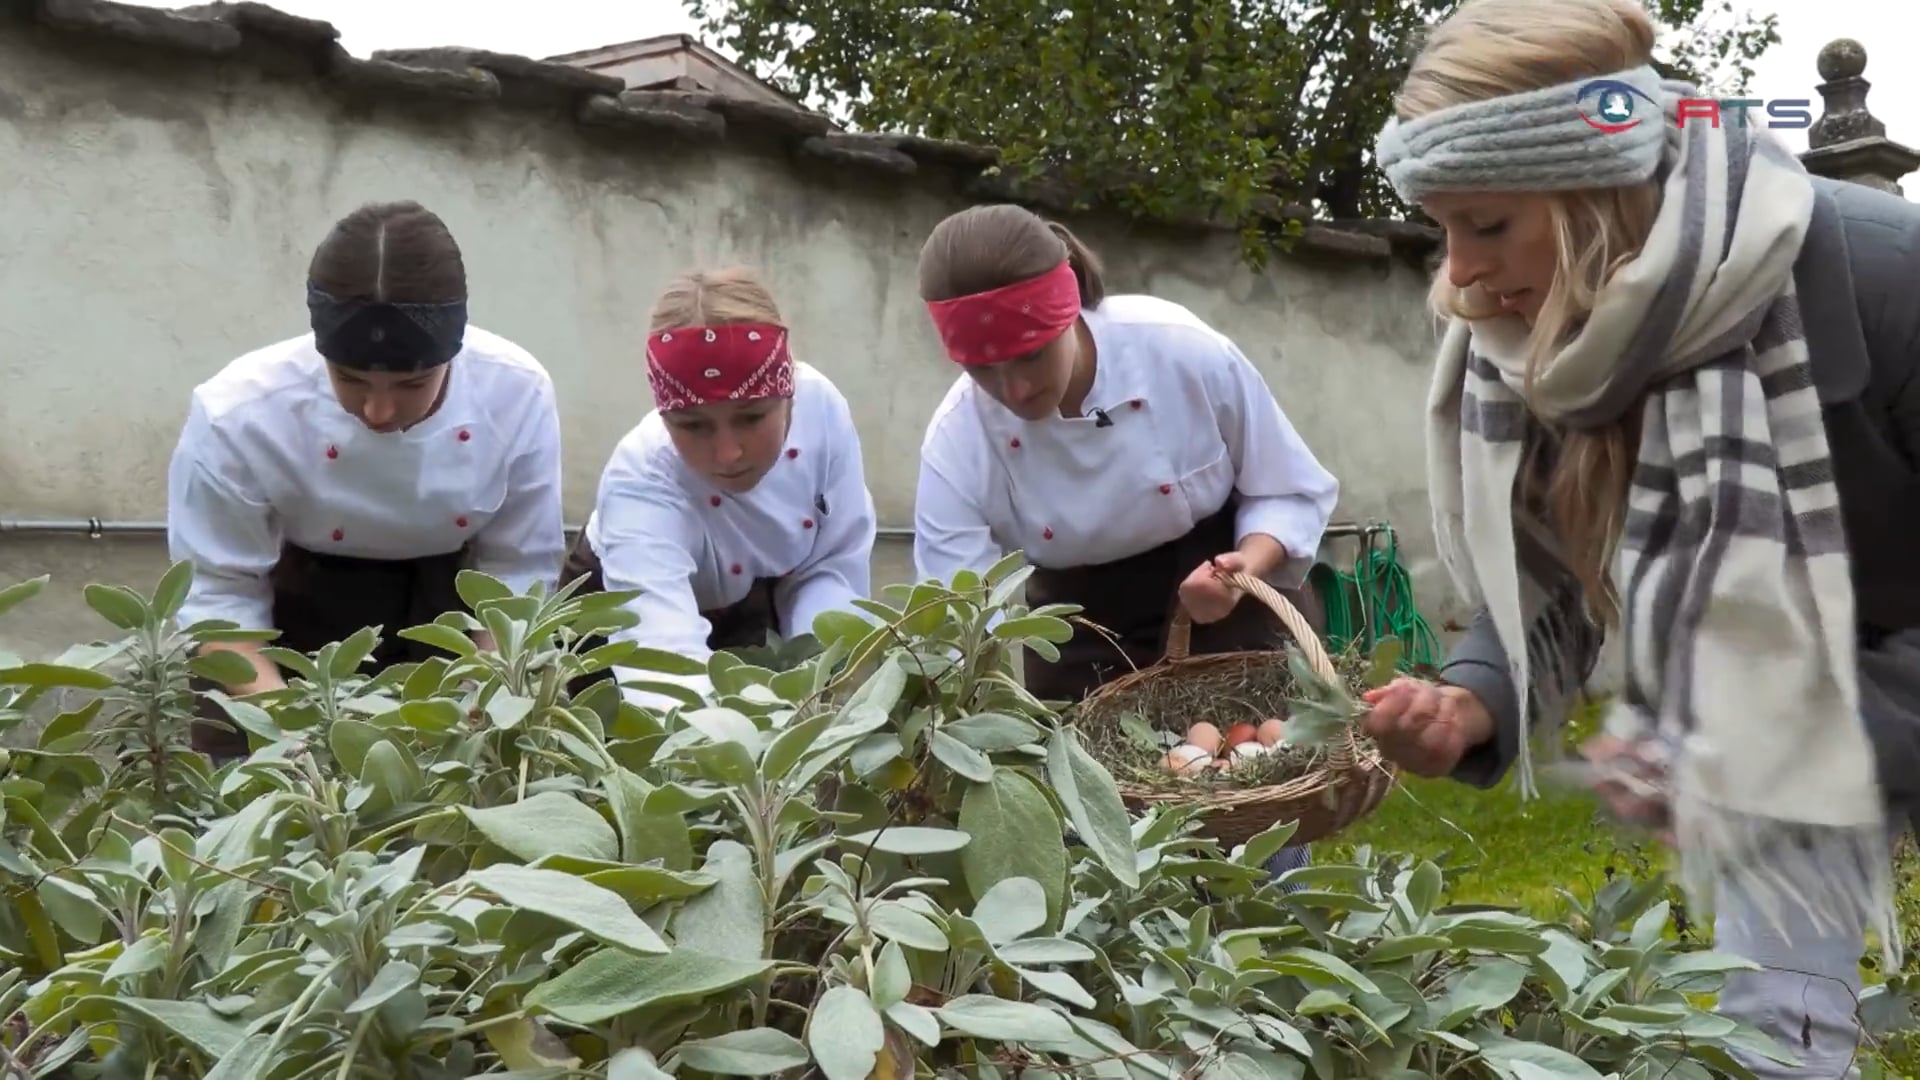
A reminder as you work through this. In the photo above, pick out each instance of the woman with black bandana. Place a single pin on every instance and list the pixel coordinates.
(341, 479)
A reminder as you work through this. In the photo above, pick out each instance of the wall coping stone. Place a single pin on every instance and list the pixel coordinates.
(292, 46)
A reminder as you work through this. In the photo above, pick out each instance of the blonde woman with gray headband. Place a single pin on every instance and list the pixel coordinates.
(1676, 403)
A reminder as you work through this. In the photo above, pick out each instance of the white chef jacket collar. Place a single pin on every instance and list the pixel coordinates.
(456, 412)
(1117, 378)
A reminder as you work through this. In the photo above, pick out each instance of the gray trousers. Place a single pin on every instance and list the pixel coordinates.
(1807, 998)
(1807, 993)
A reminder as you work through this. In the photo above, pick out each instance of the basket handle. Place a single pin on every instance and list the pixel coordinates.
(1180, 633)
(1344, 751)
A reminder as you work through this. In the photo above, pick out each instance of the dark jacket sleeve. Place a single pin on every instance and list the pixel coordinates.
(1883, 255)
(1906, 413)
(1478, 664)
(1889, 704)
(1883, 234)
(1870, 352)
(1894, 346)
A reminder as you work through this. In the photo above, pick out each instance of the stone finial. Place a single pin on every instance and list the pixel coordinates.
(1843, 58)
(1846, 118)
(1847, 142)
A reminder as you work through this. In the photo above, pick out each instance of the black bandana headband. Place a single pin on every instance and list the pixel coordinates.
(373, 335)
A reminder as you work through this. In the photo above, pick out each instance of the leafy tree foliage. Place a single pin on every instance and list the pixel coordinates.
(1231, 110)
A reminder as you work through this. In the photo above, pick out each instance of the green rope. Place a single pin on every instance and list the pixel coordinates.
(1375, 601)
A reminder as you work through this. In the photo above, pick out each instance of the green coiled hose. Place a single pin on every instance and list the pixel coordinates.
(1374, 601)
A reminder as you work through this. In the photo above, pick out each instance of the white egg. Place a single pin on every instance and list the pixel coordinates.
(1188, 759)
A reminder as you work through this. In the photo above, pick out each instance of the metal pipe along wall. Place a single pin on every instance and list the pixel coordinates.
(95, 528)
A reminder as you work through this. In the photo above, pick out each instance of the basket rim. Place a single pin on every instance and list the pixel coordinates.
(1288, 791)
(1169, 667)
(1361, 758)
(1271, 795)
(1315, 816)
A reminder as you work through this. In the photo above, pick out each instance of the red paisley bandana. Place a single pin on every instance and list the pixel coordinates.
(694, 365)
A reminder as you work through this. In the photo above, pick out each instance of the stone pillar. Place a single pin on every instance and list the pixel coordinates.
(1847, 143)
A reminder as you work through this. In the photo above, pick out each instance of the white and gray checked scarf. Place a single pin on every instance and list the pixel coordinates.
(1738, 604)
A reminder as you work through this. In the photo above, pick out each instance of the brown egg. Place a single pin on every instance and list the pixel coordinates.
(1205, 736)
(1188, 760)
(1241, 733)
(1271, 732)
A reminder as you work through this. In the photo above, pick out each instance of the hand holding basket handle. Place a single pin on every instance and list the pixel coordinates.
(1209, 593)
(1235, 584)
(1341, 753)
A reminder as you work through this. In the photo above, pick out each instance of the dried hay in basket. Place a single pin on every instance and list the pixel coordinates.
(1132, 730)
(1324, 775)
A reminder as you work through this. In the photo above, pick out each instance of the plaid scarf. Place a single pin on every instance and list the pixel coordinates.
(1738, 604)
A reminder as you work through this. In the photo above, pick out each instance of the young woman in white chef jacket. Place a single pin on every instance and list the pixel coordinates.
(1128, 448)
(739, 506)
(342, 478)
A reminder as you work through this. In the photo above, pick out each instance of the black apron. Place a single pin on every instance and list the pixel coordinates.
(319, 599)
(1134, 600)
(743, 624)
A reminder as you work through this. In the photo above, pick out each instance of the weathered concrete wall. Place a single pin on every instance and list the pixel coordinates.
(162, 186)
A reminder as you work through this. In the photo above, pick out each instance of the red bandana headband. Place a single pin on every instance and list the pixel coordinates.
(1000, 324)
(694, 365)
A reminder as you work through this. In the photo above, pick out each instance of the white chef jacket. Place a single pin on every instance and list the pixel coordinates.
(1188, 421)
(268, 455)
(661, 528)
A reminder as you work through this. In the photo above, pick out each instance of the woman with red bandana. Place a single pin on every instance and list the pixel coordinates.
(1129, 449)
(739, 506)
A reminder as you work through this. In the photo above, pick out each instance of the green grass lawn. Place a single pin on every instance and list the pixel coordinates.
(1498, 848)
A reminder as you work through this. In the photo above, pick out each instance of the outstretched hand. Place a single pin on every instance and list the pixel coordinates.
(1629, 779)
(1425, 728)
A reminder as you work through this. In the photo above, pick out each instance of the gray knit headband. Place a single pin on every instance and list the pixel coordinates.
(1610, 131)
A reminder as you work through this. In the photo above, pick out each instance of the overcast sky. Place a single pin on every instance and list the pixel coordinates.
(549, 27)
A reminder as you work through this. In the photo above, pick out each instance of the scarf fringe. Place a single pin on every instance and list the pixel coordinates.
(1838, 878)
(1562, 649)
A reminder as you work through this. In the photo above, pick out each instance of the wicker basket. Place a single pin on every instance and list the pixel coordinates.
(1348, 784)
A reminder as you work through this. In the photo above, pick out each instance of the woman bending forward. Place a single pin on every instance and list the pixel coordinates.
(1676, 402)
(739, 507)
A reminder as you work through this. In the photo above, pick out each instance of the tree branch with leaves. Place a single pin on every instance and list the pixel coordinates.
(1232, 111)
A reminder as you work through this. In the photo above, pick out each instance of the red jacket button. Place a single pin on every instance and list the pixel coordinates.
(735, 568)
(460, 521)
(1166, 489)
(1136, 403)
(807, 524)
(793, 452)
(339, 535)
(1015, 443)
(1046, 534)
(715, 500)
(332, 452)
(465, 435)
